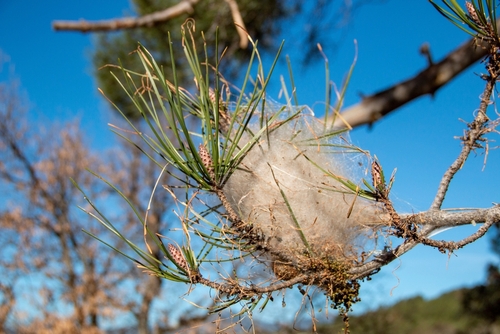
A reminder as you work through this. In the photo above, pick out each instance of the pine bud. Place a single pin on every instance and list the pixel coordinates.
(472, 12)
(224, 118)
(206, 159)
(178, 257)
(376, 175)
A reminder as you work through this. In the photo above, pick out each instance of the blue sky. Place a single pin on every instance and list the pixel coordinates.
(55, 71)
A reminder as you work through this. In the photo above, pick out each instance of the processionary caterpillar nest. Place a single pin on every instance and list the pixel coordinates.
(285, 188)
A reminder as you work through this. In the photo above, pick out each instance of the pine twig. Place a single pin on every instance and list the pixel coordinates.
(470, 142)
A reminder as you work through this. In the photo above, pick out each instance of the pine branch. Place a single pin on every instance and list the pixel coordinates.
(431, 221)
(244, 292)
(428, 81)
(440, 219)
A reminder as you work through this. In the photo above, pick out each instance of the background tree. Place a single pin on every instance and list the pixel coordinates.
(74, 284)
(58, 251)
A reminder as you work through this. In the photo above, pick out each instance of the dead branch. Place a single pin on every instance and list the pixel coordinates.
(149, 20)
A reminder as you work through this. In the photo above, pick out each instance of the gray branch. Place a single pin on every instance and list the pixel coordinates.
(441, 218)
(185, 6)
(374, 107)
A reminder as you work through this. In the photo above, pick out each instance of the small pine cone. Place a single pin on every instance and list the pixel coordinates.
(178, 257)
(206, 159)
(376, 174)
(224, 119)
(472, 12)
(211, 95)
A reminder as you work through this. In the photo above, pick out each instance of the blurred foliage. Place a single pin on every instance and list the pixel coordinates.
(495, 240)
(483, 301)
(445, 314)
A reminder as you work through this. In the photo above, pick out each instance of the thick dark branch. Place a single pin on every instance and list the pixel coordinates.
(185, 6)
(376, 106)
